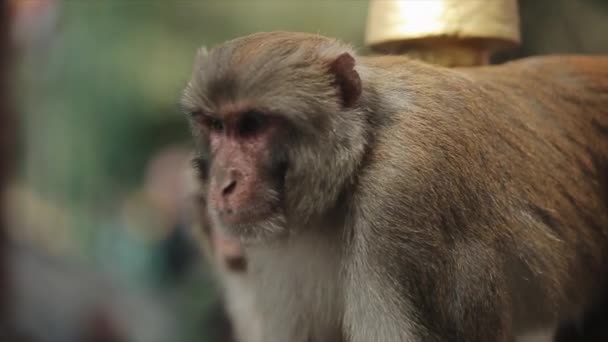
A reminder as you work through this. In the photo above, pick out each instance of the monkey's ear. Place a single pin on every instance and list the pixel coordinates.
(202, 52)
(201, 55)
(347, 78)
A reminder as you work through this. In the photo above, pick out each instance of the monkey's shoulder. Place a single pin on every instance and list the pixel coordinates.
(567, 71)
(580, 63)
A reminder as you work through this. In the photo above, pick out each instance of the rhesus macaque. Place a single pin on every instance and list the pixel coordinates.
(384, 199)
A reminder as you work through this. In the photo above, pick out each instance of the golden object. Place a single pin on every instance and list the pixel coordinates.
(446, 32)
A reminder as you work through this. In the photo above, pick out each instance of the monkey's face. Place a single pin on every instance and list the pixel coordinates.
(241, 162)
(276, 130)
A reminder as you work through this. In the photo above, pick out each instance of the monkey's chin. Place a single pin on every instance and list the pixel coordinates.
(260, 230)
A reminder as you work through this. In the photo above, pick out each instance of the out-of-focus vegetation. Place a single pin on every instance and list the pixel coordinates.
(103, 139)
(98, 98)
(102, 90)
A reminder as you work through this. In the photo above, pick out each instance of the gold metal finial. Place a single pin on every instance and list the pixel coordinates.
(447, 32)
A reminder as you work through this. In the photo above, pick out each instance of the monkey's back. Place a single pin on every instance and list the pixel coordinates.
(556, 124)
(552, 112)
(512, 159)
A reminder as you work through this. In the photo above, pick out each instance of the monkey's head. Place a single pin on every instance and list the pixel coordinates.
(278, 129)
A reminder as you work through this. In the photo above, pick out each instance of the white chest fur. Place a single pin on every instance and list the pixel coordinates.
(295, 290)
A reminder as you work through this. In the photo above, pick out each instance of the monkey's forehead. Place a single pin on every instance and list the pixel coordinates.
(272, 67)
(275, 45)
(262, 39)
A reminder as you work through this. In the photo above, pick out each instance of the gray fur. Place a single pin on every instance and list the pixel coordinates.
(447, 205)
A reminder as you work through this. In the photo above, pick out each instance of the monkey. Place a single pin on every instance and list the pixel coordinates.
(379, 198)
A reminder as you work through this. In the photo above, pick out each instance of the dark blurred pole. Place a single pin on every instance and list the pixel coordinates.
(6, 146)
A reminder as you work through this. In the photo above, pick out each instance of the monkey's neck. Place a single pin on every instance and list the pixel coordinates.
(302, 280)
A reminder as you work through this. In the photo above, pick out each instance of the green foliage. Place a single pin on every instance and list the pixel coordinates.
(100, 98)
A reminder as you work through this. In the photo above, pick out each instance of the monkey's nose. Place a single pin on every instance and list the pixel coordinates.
(228, 187)
(230, 182)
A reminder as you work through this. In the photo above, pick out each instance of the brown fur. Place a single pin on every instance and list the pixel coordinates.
(444, 205)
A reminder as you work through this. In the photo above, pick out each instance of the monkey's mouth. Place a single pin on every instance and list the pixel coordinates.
(252, 225)
(247, 216)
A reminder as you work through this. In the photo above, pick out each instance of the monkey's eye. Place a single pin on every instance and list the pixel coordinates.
(252, 122)
(210, 122)
(215, 124)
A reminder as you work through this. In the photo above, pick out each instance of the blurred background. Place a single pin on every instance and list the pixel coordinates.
(99, 233)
